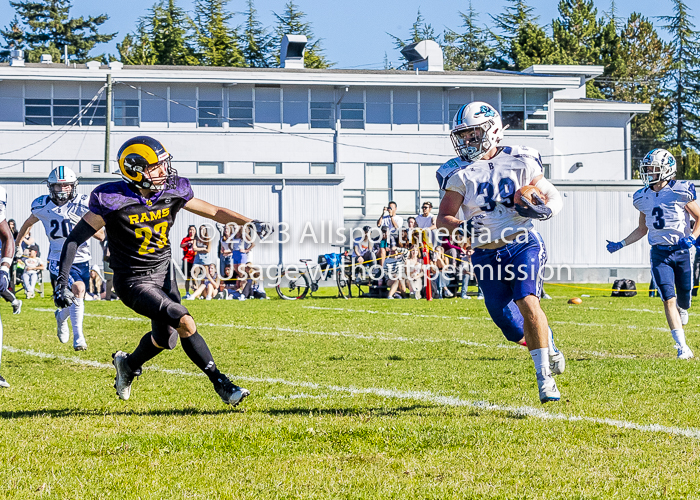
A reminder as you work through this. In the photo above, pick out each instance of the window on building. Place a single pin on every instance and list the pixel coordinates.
(37, 111)
(126, 112)
(525, 109)
(353, 203)
(322, 168)
(209, 113)
(240, 114)
(267, 168)
(267, 105)
(431, 106)
(429, 189)
(95, 115)
(210, 167)
(378, 110)
(547, 167)
(183, 104)
(406, 201)
(405, 106)
(296, 106)
(322, 115)
(377, 188)
(65, 110)
(352, 115)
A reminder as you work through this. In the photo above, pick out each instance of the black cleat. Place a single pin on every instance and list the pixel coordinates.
(230, 394)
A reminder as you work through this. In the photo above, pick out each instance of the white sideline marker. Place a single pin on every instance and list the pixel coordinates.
(425, 396)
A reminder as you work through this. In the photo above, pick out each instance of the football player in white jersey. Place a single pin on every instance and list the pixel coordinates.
(60, 211)
(665, 206)
(509, 255)
(8, 252)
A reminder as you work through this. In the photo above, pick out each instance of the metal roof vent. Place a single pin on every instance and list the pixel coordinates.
(93, 65)
(45, 59)
(292, 51)
(16, 58)
(425, 55)
(115, 65)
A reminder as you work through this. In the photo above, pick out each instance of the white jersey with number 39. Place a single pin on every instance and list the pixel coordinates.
(667, 219)
(60, 221)
(488, 187)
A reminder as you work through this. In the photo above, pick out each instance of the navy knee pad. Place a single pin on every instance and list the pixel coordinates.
(509, 320)
(683, 298)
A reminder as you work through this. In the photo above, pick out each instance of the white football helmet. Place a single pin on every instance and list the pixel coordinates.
(482, 125)
(61, 176)
(657, 166)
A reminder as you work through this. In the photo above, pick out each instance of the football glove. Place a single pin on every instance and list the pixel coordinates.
(472, 228)
(4, 279)
(539, 212)
(614, 246)
(686, 242)
(262, 229)
(63, 297)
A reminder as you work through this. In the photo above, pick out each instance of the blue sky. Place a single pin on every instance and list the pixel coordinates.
(354, 33)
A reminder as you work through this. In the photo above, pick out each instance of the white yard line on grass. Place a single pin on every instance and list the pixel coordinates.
(425, 396)
(389, 338)
(412, 315)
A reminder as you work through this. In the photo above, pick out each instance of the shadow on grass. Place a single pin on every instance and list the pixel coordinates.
(73, 412)
(348, 412)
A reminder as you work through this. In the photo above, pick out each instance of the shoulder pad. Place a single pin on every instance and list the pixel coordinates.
(82, 199)
(639, 193)
(523, 152)
(448, 169)
(40, 202)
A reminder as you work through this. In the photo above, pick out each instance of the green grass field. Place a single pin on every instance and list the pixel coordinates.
(354, 398)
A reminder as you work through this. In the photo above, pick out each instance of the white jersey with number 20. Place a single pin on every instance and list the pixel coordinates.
(60, 221)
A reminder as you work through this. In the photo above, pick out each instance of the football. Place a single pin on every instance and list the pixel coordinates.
(527, 192)
(575, 300)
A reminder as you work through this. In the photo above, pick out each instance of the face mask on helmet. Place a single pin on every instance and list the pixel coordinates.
(145, 164)
(59, 195)
(476, 129)
(657, 166)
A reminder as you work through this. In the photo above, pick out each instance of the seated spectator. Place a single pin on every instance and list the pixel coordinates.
(251, 283)
(362, 249)
(228, 285)
(97, 288)
(32, 267)
(414, 272)
(441, 280)
(210, 285)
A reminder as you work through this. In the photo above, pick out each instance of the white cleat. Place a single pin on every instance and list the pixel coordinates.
(548, 389)
(684, 316)
(80, 347)
(61, 328)
(125, 376)
(684, 352)
(3, 382)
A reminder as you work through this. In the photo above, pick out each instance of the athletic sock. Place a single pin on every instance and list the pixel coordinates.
(679, 336)
(541, 359)
(63, 314)
(552, 348)
(144, 352)
(76, 311)
(197, 350)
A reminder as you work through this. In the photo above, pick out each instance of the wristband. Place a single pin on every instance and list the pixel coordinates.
(623, 243)
(6, 260)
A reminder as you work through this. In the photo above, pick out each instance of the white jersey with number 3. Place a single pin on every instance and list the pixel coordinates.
(667, 219)
(60, 221)
(488, 187)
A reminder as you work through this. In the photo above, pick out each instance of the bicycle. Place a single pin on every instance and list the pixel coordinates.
(294, 285)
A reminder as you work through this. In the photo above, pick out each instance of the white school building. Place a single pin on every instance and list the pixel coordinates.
(326, 147)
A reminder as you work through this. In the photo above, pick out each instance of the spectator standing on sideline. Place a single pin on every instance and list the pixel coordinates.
(389, 218)
(32, 267)
(202, 246)
(188, 255)
(242, 245)
(13, 227)
(225, 246)
(426, 221)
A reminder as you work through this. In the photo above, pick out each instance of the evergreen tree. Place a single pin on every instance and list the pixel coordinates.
(137, 48)
(14, 39)
(577, 31)
(532, 46)
(217, 42)
(291, 23)
(163, 37)
(685, 76)
(46, 28)
(470, 49)
(510, 22)
(420, 30)
(640, 76)
(257, 44)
